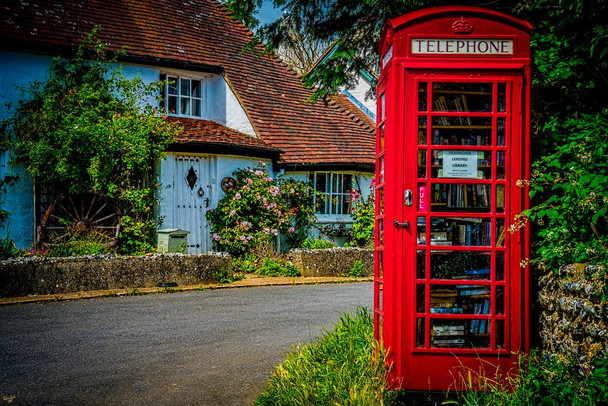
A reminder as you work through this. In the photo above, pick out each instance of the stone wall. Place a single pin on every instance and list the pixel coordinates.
(332, 262)
(27, 276)
(574, 319)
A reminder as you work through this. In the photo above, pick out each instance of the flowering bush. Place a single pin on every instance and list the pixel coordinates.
(363, 212)
(258, 209)
(570, 188)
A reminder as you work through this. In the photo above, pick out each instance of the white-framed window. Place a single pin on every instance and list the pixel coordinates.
(182, 96)
(333, 192)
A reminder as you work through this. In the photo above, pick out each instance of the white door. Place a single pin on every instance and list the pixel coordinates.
(191, 186)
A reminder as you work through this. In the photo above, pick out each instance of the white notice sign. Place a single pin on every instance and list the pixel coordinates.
(460, 164)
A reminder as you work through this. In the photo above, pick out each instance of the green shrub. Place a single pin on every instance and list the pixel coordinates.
(78, 243)
(84, 128)
(223, 276)
(363, 212)
(318, 244)
(344, 367)
(541, 380)
(277, 267)
(258, 209)
(571, 188)
(244, 264)
(357, 270)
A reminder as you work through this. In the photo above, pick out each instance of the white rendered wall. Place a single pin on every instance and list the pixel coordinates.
(222, 106)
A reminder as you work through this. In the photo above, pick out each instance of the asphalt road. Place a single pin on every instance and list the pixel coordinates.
(198, 348)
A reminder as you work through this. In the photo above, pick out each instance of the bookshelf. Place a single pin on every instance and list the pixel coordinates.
(461, 197)
(466, 299)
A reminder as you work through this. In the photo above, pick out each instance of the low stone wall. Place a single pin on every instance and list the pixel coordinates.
(574, 319)
(332, 262)
(27, 276)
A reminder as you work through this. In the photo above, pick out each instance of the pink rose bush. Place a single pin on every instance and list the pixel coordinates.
(258, 209)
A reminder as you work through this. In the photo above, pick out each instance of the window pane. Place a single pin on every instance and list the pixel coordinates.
(185, 107)
(460, 197)
(473, 97)
(462, 164)
(185, 87)
(500, 300)
(460, 231)
(500, 266)
(500, 198)
(502, 97)
(422, 164)
(196, 88)
(500, 131)
(462, 130)
(420, 264)
(420, 333)
(460, 265)
(196, 107)
(421, 130)
(172, 84)
(420, 298)
(422, 96)
(172, 106)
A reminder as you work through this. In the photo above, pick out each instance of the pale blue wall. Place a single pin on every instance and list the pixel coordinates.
(18, 69)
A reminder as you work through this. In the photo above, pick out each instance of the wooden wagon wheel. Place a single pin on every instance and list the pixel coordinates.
(72, 217)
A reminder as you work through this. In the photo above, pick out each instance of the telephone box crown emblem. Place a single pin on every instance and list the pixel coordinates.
(462, 26)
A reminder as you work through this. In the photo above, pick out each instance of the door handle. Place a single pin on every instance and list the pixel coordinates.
(405, 224)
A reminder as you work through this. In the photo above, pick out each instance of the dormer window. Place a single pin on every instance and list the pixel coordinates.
(182, 96)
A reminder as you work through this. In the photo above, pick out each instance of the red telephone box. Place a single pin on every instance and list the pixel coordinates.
(451, 283)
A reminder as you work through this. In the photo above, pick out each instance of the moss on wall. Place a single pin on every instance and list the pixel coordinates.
(574, 319)
(332, 262)
(27, 276)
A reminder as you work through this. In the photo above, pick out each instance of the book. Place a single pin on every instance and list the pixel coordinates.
(448, 327)
(482, 271)
(473, 291)
(449, 341)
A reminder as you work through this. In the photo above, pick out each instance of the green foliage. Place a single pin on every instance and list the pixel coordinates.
(344, 367)
(363, 213)
(77, 243)
(318, 244)
(223, 276)
(8, 248)
(253, 214)
(571, 187)
(277, 267)
(539, 381)
(86, 128)
(244, 264)
(357, 270)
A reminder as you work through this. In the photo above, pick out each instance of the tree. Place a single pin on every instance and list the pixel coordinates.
(569, 43)
(85, 129)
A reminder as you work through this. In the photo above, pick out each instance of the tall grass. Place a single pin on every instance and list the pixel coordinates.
(540, 380)
(344, 367)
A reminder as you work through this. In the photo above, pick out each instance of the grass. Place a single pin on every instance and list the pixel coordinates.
(345, 366)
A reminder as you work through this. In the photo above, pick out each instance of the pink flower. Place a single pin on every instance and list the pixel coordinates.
(259, 173)
(237, 196)
(232, 213)
(250, 181)
(291, 229)
(266, 230)
(216, 237)
(292, 191)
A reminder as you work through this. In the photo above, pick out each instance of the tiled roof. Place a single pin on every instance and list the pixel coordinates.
(199, 33)
(210, 132)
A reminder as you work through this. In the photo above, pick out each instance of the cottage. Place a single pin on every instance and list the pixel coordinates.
(237, 108)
